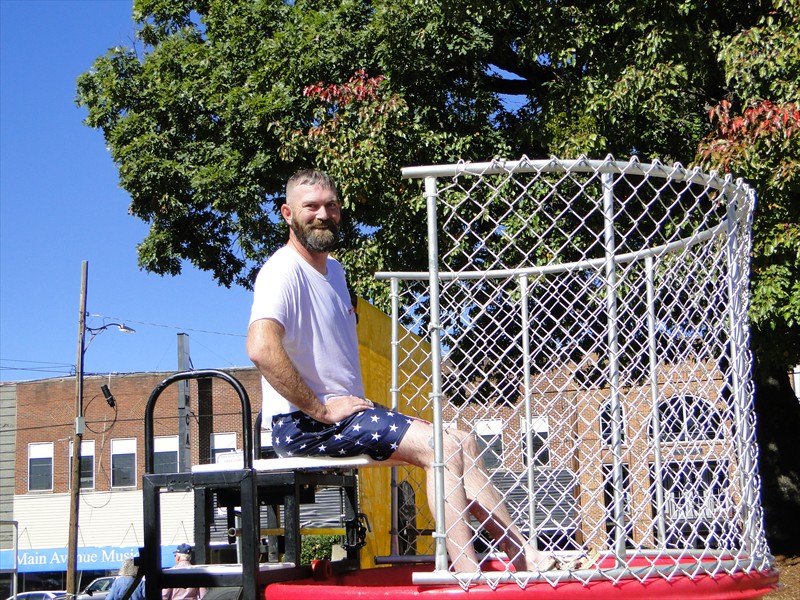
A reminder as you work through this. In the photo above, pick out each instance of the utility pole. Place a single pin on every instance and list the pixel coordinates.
(184, 446)
(73, 582)
(75, 479)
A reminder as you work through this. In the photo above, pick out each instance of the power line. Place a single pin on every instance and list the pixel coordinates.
(39, 362)
(54, 368)
(176, 327)
(58, 368)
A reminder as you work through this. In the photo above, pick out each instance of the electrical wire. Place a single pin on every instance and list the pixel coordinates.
(176, 327)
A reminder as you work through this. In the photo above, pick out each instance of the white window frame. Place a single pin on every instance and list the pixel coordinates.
(38, 450)
(87, 449)
(222, 443)
(490, 432)
(123, 447)
(164, 444)
(685, 426)
(539, 425)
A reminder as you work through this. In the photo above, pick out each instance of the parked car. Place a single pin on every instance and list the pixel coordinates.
(98, 589)
(42, 595)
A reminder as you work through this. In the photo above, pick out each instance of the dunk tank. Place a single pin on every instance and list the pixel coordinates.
(587, 322)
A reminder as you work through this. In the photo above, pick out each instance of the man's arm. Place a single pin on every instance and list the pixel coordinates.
(265, 349)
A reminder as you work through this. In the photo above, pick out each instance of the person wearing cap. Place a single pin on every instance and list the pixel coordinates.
(183, 559)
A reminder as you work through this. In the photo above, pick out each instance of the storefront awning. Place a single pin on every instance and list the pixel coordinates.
(90, 558)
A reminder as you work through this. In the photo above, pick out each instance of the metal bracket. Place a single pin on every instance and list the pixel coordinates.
(356, 532)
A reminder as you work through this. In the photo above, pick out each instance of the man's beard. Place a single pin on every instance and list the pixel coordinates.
(319, 236)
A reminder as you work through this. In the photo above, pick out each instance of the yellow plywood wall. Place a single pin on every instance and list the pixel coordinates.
(375, 336)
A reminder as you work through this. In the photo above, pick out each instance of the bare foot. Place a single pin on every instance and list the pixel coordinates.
(533, 561)
(547, 563)
(585, 560)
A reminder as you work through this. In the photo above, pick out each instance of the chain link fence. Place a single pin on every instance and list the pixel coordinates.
(586, 321)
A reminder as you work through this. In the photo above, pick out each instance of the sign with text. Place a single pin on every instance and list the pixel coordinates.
(90, 558)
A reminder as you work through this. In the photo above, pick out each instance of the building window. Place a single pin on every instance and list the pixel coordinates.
(606, 420)
(539, 433)
(489, 435)
(222, 443)
(123, 463)
(687, 418)
(87, 464)
(695, 502)
(165, 454)
(622, 484)
(40, 467)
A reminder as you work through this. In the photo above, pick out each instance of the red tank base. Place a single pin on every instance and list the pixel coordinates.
(395, 582)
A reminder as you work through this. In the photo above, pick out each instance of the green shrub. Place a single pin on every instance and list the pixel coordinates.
(316, 547)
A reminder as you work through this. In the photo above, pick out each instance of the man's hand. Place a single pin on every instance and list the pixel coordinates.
(339, 408)
(265, 347)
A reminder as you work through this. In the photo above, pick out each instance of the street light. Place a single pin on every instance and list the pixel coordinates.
(80, 424)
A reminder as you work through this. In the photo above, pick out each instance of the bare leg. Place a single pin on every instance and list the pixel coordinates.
(467, 488)
(488, 507)
(417, 448)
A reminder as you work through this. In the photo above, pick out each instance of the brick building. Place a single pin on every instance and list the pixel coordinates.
(112, 463)
(572, 449)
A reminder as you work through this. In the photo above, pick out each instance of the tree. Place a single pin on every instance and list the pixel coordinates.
(204, 116)
(757, 137)
(221, 100)
(205, 121)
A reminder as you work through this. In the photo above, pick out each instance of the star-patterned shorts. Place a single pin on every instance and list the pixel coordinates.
(376, 432)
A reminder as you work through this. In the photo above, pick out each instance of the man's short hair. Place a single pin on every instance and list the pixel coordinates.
(311, 177)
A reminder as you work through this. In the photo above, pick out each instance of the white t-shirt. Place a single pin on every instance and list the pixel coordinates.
(319, 319)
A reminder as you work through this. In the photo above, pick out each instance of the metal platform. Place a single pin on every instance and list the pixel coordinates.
(241, 489)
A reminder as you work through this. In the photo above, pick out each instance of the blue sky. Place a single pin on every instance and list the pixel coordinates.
(60, 204)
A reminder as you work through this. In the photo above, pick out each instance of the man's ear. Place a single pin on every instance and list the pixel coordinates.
(286, 212)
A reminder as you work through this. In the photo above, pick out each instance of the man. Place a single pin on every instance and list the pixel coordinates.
(183, 556)
(302, 338)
